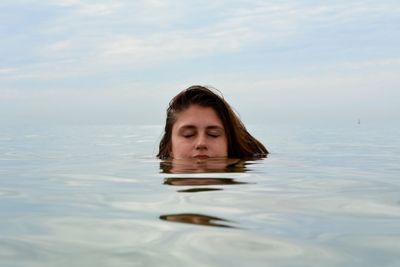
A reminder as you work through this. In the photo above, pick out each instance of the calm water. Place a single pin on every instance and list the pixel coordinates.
(96, 196)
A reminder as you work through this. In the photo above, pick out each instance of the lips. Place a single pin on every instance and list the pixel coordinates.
(201, 156)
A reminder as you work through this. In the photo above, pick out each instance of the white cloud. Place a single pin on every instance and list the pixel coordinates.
(91, 42)
(235, 27)
(59, 46)
(4, 71)
(376, 65)
(90, 8)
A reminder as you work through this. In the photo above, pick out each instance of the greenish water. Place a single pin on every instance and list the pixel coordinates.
(97, 196)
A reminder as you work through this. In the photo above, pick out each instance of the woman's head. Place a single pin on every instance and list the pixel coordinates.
(200, 123)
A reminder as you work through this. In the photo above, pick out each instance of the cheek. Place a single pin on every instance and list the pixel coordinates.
(225, 148)
(225, 144)
(222, 147)
(179, 147)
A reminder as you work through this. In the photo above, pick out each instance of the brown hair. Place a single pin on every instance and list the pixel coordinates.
(241, 144)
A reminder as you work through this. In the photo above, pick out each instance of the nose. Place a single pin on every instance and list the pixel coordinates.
(201, 142)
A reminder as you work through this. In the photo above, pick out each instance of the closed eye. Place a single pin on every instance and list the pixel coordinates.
(187, 133)
(214, 133)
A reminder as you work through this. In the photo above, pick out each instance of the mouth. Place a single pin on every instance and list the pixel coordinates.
(201, 157)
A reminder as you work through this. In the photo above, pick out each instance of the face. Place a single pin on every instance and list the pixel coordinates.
(198, 133)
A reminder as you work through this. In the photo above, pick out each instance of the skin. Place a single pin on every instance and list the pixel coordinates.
(198, 133)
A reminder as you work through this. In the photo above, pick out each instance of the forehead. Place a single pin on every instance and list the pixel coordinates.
(198, 116)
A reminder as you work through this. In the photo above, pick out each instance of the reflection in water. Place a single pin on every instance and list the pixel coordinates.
(193, 218)
(200, 181)
(198, 184)
(203, 165)
(201, 189)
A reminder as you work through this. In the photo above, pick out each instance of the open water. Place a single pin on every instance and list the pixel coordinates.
(97, 196)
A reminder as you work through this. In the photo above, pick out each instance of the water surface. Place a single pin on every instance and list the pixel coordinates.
(97, 196)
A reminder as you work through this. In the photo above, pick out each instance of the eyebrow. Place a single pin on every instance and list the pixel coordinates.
(190, 126)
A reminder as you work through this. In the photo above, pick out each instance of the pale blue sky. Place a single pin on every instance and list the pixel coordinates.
(82, 61)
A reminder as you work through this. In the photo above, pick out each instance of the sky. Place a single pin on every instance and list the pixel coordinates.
(120, 62)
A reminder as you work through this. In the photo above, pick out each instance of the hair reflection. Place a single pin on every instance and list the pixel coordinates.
(190, 181)
(194, 218)
(200, 181)
(201, 184)
(209, 165)
(198, 189)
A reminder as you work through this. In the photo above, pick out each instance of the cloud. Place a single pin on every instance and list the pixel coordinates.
(4, 71)
(89, 8)
(287, 51)
(150, 33)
